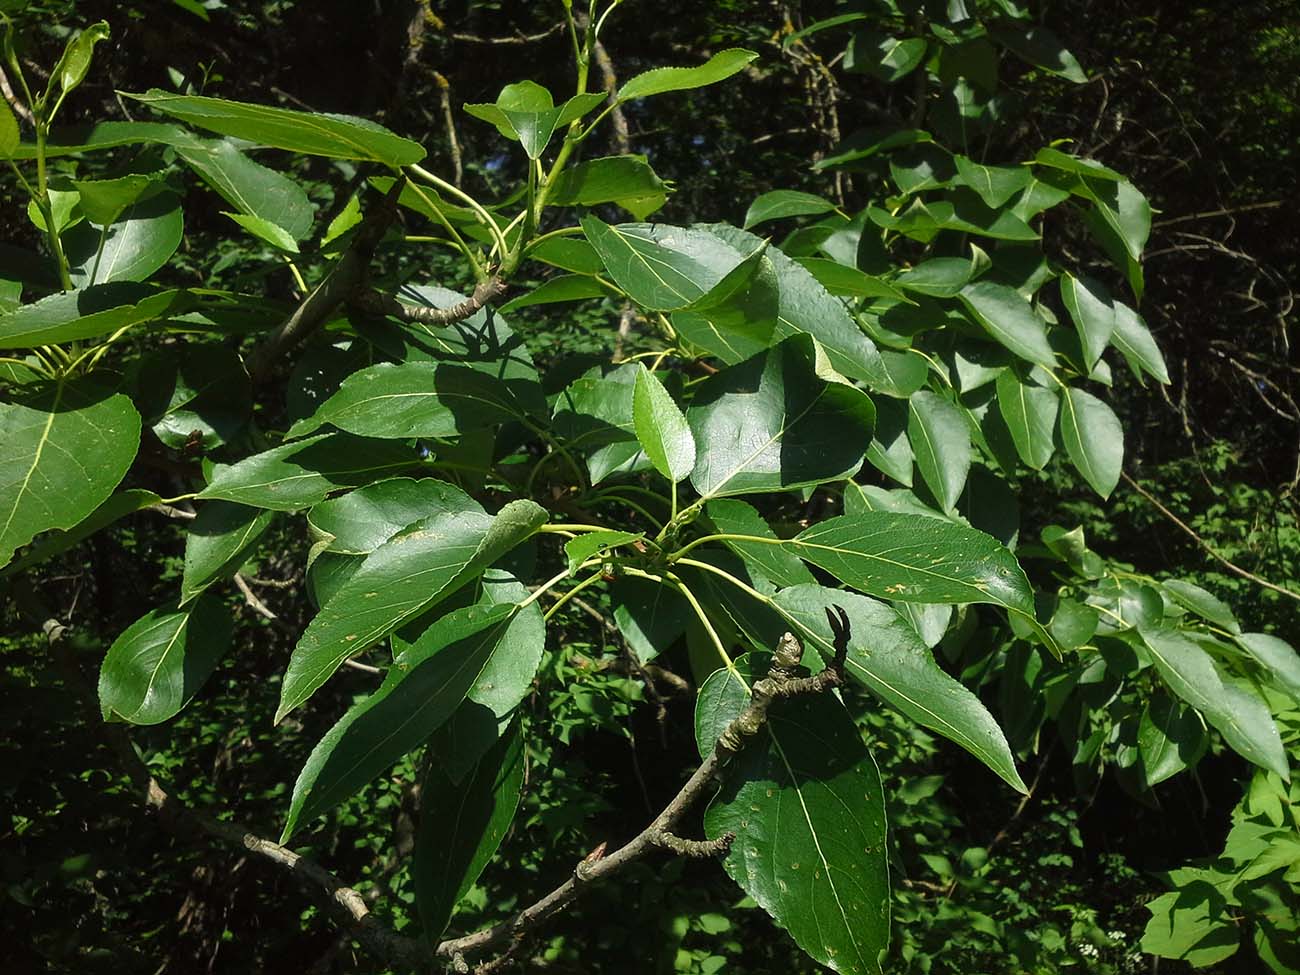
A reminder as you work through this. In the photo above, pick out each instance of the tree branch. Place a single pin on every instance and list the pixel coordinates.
(339, 285)
(782, 681)
(345, 904)
(377, 303)
(1231, 566)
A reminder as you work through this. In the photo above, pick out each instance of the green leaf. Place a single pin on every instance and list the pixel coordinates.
(461, 825)
(568, 254)
(1136, 344)
(1076, 165)
(890, 451)
(414, 399)
(884, 56)
(721, 66)
(136, 246)
(162, 659)
(1124, 209)
(85, 314)
(916, 559)
(839, 279)
(1010, 319)
(734, 517)
(413, 570)
(420, 692)
(525, 112)
(265, 231)
(561, 288)
(661, 429)
(218, 542)
(1240, 715)
(661, 267)
(940, 442)
(335, 136)
(1194, 924)
(194, 388)
(939, 277)
(650, 616)
(626, 180)
(67, 444)
(1093, 438)
(55, 543)
(300, 474)
(1030, 413)
(103, 200)
(8, 130)
(805, 803)
(360, 521)
(76, 139)
(994, 184)
(735, 318)
(785, 203)
(806, 306)
(1204, 604)
(886, 655)
(583, 547)
(779, 421)
(1170, 739)
(1089, 304)
(1277, 655)
(1041, 48)
(506, 679)
(75, 61)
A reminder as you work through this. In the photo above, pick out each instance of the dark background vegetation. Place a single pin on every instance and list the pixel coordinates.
(1199, 104)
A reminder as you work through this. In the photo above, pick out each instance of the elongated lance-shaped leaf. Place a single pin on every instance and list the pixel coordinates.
(86, 314)
(405, 576)
(916, 559)
(66, 446)
(1241, 716)
(886, 655)
(461, 825)
(784, 203)
(1093, 438)
(778, 421)
(661, 428)
(1010, 319)
(805, 803)
(940, 442)
(660, 266)
(1137, 345)
(424, 687)
(162, 659)
(1090, 305)
(660, 80)
(626, 180)
(218, 542)
(305, 472)
(249, 186)
(336, 136)
(1030, 414)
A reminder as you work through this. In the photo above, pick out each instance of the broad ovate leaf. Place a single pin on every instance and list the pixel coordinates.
(779, 421)
(805, 803)
(66, 446)
(162, 659)
(918, 559)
